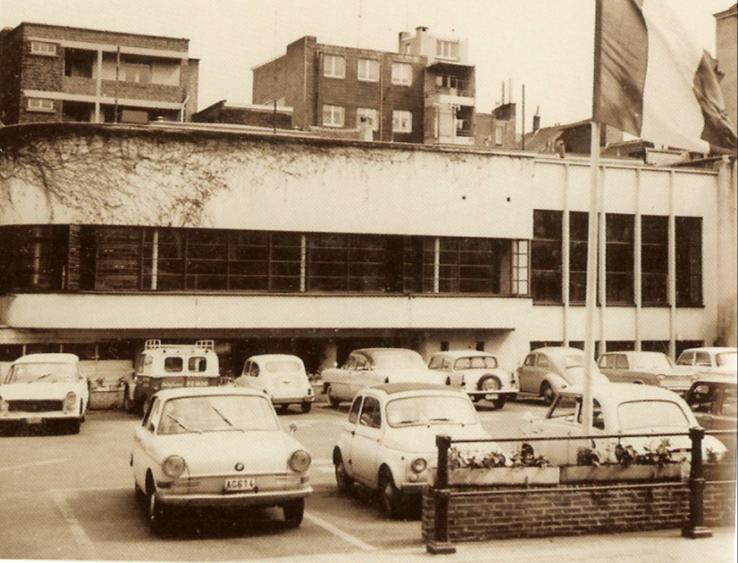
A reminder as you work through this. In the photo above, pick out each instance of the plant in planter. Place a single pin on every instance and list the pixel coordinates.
(475, 459)
(526, 457)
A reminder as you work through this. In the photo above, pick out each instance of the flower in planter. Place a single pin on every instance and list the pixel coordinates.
(526, 457)
(659, 455)
(590, 456)
(475, 459)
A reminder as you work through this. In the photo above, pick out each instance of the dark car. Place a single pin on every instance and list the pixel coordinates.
(714, 403)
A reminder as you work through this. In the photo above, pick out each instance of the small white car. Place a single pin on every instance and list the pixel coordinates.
(711, 360)
(218, 447)
(618, 408)
(476, 373)
(45, 388)
(281, 376)
(375, 366)
(388, 443)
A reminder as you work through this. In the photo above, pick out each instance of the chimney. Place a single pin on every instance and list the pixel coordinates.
(401, 37)
(537, 119)
(421, 29)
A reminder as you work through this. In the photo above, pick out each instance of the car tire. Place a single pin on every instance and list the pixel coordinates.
(129, 405)
(138, 494)
(305, 407)
(155, 512)
(293, 513)
(390, 497)
(334, 401)
(547, 392)
(344, 483)
(499, 402)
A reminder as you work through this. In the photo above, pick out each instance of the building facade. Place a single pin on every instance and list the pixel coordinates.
(55, 73)
(317, 246)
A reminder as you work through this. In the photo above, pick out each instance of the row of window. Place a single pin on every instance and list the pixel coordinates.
(334, 66)
(626, 345)
(620, 256)
(335, 116)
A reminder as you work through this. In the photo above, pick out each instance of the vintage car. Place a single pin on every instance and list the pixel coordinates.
(618, 408)
(219, 447)
(476, 373)
(548, 371)
(718, 360)
(45, 388)
(713, 401)
(647, 368)
(281, 376)
(375, 366)
(388, 443)
(166, 366)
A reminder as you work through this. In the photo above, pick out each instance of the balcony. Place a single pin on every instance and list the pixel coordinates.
(454, 86)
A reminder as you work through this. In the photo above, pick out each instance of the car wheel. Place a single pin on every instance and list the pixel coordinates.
(129, 404)
(334, 401)
(138, 494)
(305, 407)
(390, 497)
(155, 511)
(499, 402)
(547, 392)
(293, 512)
(343, 481)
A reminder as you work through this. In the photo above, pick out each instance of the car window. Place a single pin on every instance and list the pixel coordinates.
(702, 359)
(370, 414)
(700, 397)
(530, 360)
(604, 361)
(685, 359)
(435, 362)
(217, 413)
(446, 363)
(361, 363)
(148, 421)
(424, 410)
(636, 415)
(246, 367)
(254, 369)
(542, 361)
(728, 408)
(621, 361)
(354, 412)
(46, 372)
(197, 364)
(173, 364)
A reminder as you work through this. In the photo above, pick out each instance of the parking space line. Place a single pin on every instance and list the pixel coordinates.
(345, 536)
(81, 538)
(34, 464)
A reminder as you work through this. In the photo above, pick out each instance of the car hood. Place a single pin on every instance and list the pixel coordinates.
(216, 453)
(422, 439)
(40, 390)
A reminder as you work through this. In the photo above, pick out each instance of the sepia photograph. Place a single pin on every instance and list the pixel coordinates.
(368, 280)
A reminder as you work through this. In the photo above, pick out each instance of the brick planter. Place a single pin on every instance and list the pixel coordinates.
(615, 472)
(505, 476)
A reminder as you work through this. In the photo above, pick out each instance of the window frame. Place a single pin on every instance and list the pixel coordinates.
(40, 108)
(397, 119)
(36, 48)
(330, 71)
(333, 112)
(402, 73)
(368, 65)
(448, 49)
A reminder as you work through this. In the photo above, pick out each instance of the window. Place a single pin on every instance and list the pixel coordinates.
(354, 412)
(689, 262)
(654, 259)
(402, 121)
(370, 413)
(40, 104)
(619, 258)
(702, 359)
(370, 115)
(545, 261)
(520, 267)
(43, 48)
(578, 234)
(470, 265)
(655, 346)
(333, 116)
(542, 361)
(402, 74)
(435, 362)
(499, 134)
(173, 364)
(730, 401)
(139, 73)
(368, 70)
(530, 360)
(447, 49)
(197, 364)
(334, 66)
(346, 262)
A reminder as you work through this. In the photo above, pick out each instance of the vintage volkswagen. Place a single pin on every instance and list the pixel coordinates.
(547, 371)
(476, 373)
(618, 408)
(388, 442)
(45, 388)
(713, 360)
(646, 368)
(375, 366)
(219, 447)
(281, 376)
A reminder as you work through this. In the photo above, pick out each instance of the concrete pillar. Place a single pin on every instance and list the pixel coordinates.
(98, 86)
(637, 259)
(727, 278)
(330, 355)
(565, 262)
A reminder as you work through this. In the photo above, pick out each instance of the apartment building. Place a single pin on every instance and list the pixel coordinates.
(56, 73)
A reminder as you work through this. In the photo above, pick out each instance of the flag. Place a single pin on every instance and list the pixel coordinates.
(652, 81)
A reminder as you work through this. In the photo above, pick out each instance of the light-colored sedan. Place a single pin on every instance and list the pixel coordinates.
(219, 447)
(547, 371)
(388, 442)
(375, 366)
(618, 408)
(45, 388)
(711, 360)
(281, 376)
(476, 373)
(646, 368)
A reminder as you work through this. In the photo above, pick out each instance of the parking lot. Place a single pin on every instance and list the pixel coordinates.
(71, 497)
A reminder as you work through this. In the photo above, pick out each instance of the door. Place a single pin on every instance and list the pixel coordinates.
(365, 445)
(346, 441)
(141, 452)
(527, 375)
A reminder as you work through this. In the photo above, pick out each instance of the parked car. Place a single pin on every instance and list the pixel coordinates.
(45, 389)
(618, 408)
(719, 360)
(476, 373)
(166, 366)
(648, 368)
(388, 443)
(281, 376)
(713, 401)
(219, 447)
(375, 366)
(547, 371)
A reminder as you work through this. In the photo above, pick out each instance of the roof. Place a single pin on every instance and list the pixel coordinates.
(558, 350)
(625, 392)
(47, 359)
(631, 352)
(266, 357)
(464, 353)
(97, 30)
(374, 350)
(208, 392)
(711, 349)
(396, 388)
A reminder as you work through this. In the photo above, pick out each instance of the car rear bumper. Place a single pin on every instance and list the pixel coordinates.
(292, 400)
(233, 500)
(495, 393)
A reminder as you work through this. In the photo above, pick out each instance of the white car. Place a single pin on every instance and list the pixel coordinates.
(388, 443)
(711, 360)
(476, 373)
(375, 366)
(45, 388)
(618, 408)
(219, 447)
(281, 376)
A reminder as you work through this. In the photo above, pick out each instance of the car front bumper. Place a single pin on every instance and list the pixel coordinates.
(232, 500)
(36, 417)
(495, 393)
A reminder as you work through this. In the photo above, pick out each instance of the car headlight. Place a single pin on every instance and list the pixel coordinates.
(299, 461)
(419, 465)
(69, 401)
(173, 466)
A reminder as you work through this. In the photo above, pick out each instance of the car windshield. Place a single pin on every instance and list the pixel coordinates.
(634, 415)
(430, 409)
(217, 413)
(727, 359)
(649, 361)
(283, 365)
(46, 372)
(476, 362)
(397, 359)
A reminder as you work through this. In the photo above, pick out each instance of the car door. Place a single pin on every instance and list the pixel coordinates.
(561, 420)
(346, 440)
(527, 375)
(141, 457)
(366, 442)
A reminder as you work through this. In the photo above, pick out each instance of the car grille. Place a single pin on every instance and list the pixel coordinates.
(35, 406)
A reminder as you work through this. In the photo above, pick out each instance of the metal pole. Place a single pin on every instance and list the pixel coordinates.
(696, 527)
(440, 544)
(522, 137)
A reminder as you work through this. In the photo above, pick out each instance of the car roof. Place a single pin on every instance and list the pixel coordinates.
(713, 349)
(716, 378)
(632, 352)
(207, 392)
(48, 359)
(624, 391)
(463, 353)
(372, 350)
(557, 350)
(266, 357)
(396, 388)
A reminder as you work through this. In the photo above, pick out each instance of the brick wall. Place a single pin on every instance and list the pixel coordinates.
(497, 513)
(11, 41)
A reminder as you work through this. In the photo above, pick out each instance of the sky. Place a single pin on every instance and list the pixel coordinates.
(545, 44)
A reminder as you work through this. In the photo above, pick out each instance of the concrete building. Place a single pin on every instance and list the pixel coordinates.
(275, 243)
(55, 73)
(726, 47)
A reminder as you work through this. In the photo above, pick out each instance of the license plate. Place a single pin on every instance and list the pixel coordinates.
(34, 420)
(240, 484)
(196, 383)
